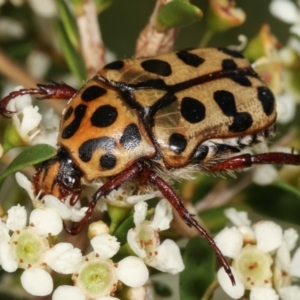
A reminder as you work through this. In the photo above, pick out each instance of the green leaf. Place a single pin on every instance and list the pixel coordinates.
(121, 232)
(288, 188)
(30, 156)
(177, 13)
(68, 22)
(199, 273)
(72, 57)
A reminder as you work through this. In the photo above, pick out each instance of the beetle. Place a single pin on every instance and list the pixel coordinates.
(156, 119)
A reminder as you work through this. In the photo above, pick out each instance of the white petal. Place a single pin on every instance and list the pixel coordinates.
(8, 261)
(27, 123)
(46, 10)
(234, 291)
(168, 258)
(37, 282)
(268, 235)
(237, 218)
(290, 292)
(140, 212)
(162, 216)
(230, 241)
(105, 245)
(64, 292)
(264, 175)
(11, 28)
(46, 221)
(285, 107)
(20, 102)
(37, 63)
(17, 218)
(24, 182)
(133, 199)
(132, 271)
(284, 10)
(4, 232)
(61, 208)
(283, 257)
(291, 237)
(295, 264)
(265, 293)
(63, 258)
(248, 234)
(134, 245)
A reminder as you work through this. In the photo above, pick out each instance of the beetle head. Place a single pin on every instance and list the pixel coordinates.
(60, 177)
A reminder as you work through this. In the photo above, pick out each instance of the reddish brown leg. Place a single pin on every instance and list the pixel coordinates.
(247, 160)
(104, 190)
(176, 202)
(51, 90)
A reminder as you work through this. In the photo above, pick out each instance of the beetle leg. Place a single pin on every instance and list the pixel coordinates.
(104, 190)
(176, 202)
(51, 90)
(247, 160)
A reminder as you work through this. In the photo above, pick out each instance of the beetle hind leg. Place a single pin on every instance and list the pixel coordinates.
(51, 90)
(247, 160)
(176, 202)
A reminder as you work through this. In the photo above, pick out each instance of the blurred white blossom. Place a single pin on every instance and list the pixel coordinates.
(262, 263)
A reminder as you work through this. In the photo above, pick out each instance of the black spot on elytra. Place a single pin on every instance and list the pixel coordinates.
(229, 64)
(68, 113)
(177, 143)
(192, 110)
(115, 65)
(232, 53)
(104, 116)
(226, 102)
(242, 80)
(189, 58)
(131, 137)
(157, 66)
(241, 120)
(87, 149)
(267, 99)
(92, 92)
(108, 161)
(70, 129)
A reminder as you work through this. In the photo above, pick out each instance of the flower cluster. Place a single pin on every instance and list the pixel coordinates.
(261, 259)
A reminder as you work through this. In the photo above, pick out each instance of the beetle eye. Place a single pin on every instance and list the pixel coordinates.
(69, 181)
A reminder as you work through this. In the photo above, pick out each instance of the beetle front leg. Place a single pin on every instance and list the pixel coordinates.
(51, 90)
(104, 190)
(248, 160)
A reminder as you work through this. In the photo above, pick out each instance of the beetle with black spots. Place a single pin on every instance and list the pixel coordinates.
(147, 119)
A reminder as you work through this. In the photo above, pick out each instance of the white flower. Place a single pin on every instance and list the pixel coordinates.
(124, 196)
(97, 276)
(26, 249)
(26, 118)
(11, 29)
(286, 107)
(29, 124)
(285, 10)
(145, 242)
(262, 261)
